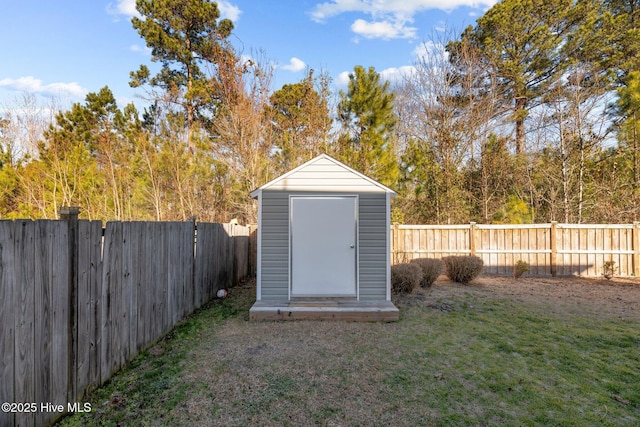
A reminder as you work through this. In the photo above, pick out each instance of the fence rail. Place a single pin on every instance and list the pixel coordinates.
(75, 306)
(550, 249)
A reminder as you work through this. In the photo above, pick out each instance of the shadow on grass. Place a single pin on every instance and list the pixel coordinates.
(150, 385)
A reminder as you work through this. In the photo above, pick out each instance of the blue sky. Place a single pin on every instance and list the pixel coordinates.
(64, 49)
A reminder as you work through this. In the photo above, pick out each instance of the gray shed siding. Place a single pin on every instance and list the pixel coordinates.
(373, 231)
(274, 262)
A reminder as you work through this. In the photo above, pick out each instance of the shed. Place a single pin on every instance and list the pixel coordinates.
(323, 245)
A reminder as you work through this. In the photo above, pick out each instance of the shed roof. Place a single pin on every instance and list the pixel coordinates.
(323, 173)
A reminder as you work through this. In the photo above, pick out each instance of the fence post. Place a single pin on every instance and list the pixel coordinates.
(70, 215)
(636, 249)
(194, 264)
(253, 250)
(472, 238)
(554, 250)
(394, 244)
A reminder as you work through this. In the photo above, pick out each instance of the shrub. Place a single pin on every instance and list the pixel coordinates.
(405, 278)
(608, 269)
(462, 269)
(431, 269)
(520, 268)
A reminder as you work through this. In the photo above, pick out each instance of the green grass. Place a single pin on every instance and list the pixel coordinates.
(503, 363)
(150, 386)
(486, 360)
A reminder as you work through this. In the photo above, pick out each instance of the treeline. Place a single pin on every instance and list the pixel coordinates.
(531, 115)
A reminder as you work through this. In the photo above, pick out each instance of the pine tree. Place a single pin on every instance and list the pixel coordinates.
(300, 122)
(628, 135)
(185, 36)
(526, 44)
(368, 120)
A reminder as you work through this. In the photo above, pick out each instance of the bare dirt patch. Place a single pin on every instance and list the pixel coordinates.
(618, 297)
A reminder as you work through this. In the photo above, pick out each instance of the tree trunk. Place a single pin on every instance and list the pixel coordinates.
(189, 107)
(520, 113)
(581, 167)
(564, 157)
(636, 177)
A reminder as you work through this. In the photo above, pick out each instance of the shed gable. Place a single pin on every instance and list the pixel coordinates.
(323, 173)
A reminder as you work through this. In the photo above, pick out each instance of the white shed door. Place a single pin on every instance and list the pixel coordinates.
(323, 245)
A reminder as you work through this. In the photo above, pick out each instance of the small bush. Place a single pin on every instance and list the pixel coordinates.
(608, 269)
(520, 268)
(405, 278)
(462, 269)
(431, 269)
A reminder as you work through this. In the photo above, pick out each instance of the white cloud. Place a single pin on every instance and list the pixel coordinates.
(441, 27)
(391, 75)
(405, 8)
(397, 74)
(30, 84)
(123, 7)
(140, 49)
(342, 81)
(383, 30)
(228, 11)
(430, 48)
(389, 18)
(123, 101)
(295, 64)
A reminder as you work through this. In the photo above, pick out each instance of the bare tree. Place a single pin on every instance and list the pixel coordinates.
(447, 119)
(26, 118)
(576, 112)
(239, 137)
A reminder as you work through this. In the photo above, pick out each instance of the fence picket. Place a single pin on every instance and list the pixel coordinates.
(8, 311)
(43, 315)
(87, 297)
(61, 345)
(24, 320)
(126, 310)
(106, 301)
(142, 294)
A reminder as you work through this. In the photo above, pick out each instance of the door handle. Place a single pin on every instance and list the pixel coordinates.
(352, 246)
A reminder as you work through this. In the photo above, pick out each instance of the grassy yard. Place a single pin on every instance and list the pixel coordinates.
(483, 354)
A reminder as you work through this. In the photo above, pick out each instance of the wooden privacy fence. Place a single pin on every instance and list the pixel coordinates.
(75, 306)
(550, 249)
